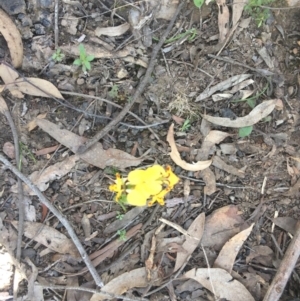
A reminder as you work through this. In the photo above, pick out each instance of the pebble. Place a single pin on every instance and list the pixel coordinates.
(80, 81)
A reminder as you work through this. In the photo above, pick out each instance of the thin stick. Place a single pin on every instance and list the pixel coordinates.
(90, 290)
(285, 269)
(56, 30)
(60, 217)
(4, 110)
(84, 147)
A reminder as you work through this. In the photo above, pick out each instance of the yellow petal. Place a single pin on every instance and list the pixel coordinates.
(136, 176)
(149, 188)
(171, 177)
(154, 172)
(159, 198)
(136, 198)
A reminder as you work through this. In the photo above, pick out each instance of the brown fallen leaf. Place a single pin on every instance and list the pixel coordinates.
(223, 20)
(286, 223)
(13, 39)
(258, 113)
(237, 10)
(219, 163)
(220, 283)
(32, 124)
(227, 255)
(49, 237)
(123, 283)
(175, 156)
(51, 173)
(258, 251)
(96, 155)
(195, 230)
(220, 226)
(9, 76)
(37, 87)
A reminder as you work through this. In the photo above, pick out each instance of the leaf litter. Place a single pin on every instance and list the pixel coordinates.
(223, 228)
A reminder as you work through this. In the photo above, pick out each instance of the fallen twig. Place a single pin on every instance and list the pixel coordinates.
(60, 217)
(90, 290)
(285, 269)
(4, 110)
(84, 147)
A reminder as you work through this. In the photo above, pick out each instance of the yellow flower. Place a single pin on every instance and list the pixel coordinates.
(172, 179)
(159, 198)
(144, 184)
(118, 187)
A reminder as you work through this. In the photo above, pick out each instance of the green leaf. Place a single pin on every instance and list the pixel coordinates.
(245, 131)
(251, 103)
(90, 58)
(198, 3)
(77, 62)
(87, 65)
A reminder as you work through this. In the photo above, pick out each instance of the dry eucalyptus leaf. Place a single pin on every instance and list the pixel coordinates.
(32, 124)
(220, 283)
(96, 155)
(114, 31)
(237, 10)
(227, 255)
(175, 156)
(223, 20)
(37, 87)
(13, 39)
(222, 86)
(220, 226)
(51, 173)
(49, 237)
(123, 283)
(195, 230)
(258, 113)
(9, 76)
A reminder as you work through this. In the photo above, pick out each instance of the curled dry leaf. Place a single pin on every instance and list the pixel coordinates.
(114, 31)
(195, 230)
(13, 39)
(175, 156)
(227, 255)
(49, 237)
(96, 155)
(220, 283)
(259, 112)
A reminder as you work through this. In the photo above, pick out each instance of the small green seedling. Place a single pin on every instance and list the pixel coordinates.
(122, 235)
(186, 125)
(119, 215)
(114, 92)
(198, 3)
(84, 59)
(57, 56)
(259, 14)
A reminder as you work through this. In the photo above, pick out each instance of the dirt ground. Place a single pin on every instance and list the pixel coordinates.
(251, 181)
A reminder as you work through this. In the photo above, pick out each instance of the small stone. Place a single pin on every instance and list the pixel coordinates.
(80, 81)
(39, 29)
(290, 90)
(122, 73)
(295, 50)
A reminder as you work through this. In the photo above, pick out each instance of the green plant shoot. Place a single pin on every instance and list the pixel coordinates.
(186, 125)
(84, 59)
(198, 3)
(58, 56)
(122, 235)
